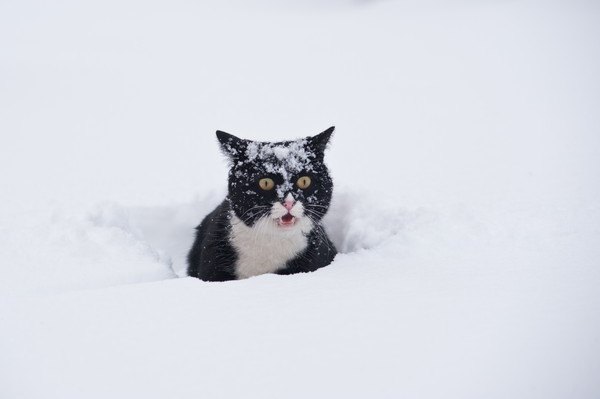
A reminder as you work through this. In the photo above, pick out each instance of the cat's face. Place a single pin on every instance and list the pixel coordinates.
(285, 184)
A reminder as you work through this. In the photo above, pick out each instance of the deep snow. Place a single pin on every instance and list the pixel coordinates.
(466, 207)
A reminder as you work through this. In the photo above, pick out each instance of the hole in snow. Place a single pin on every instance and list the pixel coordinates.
(357, 221)
(354, 222)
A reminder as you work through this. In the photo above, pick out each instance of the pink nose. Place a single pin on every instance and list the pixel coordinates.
(288, 204)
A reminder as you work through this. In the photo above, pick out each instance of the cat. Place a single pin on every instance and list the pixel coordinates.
(270, 221)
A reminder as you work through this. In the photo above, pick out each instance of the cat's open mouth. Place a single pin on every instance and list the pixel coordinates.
(286, 220)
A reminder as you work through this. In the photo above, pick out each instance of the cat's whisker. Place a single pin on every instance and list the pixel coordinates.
(251, 216)
(316, 205)
(256, 207)
(314, 214)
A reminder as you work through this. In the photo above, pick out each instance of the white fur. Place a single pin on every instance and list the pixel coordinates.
(266, 247)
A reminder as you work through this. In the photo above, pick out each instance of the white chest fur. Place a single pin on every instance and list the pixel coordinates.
(264, 247)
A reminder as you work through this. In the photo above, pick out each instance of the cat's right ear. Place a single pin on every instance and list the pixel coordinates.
(231, 145)
(320, 141)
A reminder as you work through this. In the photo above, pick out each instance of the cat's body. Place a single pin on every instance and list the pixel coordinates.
(270, 221)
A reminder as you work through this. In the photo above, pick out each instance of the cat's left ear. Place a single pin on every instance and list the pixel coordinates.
(320, 141)
(232, 146)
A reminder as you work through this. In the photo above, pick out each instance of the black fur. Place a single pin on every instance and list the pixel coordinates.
(212, 256)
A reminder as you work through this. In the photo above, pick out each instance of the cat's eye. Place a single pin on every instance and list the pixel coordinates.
(303, 182)
(266, 184)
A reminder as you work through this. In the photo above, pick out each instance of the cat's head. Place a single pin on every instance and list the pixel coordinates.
(284, 184)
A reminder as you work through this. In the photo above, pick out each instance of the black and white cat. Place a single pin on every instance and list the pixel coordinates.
(270, 221)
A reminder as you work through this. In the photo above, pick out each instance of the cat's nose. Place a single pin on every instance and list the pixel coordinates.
(289, 202)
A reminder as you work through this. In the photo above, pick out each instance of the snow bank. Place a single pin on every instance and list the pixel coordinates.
(68, 252)
(456, 298)
(115, 244)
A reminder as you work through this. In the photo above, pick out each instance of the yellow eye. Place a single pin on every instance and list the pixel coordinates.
(266, 184)
(303, 182)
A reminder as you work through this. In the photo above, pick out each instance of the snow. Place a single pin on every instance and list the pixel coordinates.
(280, 158)
(466, 201)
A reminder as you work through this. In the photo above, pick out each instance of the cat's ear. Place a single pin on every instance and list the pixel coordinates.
(232, 146)
(320, 141)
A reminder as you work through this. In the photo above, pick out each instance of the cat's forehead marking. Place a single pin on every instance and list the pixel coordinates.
(284, 158)
(287, 156)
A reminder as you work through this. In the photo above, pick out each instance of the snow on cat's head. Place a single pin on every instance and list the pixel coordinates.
(285, 181)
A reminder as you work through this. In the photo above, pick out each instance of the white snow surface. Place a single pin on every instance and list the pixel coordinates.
(466, 160)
